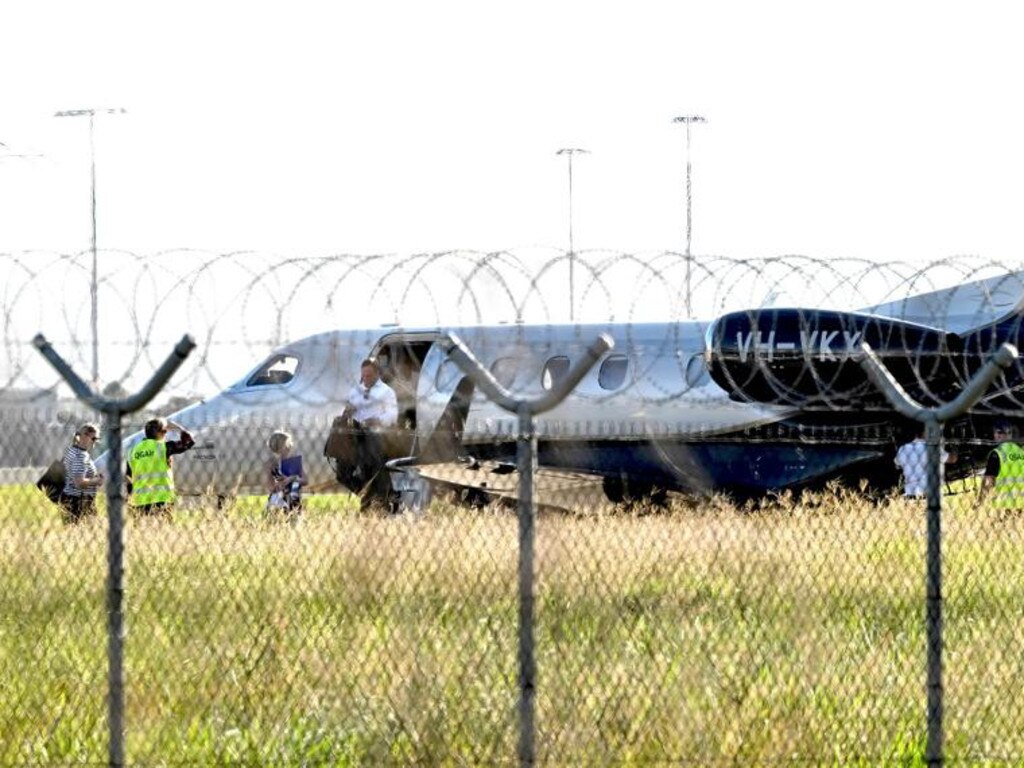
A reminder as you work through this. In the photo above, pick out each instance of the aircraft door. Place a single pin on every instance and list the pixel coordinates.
(401, 359)
(442, 396)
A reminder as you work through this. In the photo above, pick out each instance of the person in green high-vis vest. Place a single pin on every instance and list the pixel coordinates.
(1004, 471)
(150, 477)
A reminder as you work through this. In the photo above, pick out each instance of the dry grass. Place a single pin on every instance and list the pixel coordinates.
(703, 633)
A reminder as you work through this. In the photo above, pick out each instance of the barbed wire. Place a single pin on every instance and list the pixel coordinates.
(240, 305)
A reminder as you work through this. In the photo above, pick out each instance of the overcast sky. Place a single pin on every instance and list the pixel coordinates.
(868, 130)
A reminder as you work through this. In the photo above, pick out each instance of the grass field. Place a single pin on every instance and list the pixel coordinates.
(698, 634)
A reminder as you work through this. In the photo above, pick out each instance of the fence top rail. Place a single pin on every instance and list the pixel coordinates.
(128, 404)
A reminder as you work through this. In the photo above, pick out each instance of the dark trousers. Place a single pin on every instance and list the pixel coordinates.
(373, 480)
(369, 452)
(75, 508)
(160, 509)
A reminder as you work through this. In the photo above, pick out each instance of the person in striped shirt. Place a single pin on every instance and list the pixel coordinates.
(81, 480)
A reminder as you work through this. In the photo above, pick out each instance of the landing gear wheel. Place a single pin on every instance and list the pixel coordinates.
(625, 490)
(474, 498)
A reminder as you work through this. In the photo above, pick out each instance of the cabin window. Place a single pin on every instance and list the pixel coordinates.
(696, 371)
(613, 372)
(448, 376)
(504, 371)
(554, 371)
(279, 369)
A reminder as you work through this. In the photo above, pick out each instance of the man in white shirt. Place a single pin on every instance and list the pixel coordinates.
(912, 458)
(372, 407)
(371, 403)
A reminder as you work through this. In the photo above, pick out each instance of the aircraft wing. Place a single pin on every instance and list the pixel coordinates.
(560, 488)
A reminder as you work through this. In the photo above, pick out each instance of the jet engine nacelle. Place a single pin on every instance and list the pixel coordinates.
(809, 358)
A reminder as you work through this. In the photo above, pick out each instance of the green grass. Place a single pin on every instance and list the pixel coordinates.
(704, 634)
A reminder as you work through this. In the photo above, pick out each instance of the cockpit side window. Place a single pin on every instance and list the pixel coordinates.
(279, 369)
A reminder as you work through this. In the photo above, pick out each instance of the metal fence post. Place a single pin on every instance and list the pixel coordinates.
(526, 462)
(933, 419)
(113, 410)
(115, 591)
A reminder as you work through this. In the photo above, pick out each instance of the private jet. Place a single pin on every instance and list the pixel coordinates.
(749, 403)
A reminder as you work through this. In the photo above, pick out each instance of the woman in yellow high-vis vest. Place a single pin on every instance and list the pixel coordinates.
(150, 478)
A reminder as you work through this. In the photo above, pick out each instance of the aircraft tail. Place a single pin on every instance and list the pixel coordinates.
(964, 308)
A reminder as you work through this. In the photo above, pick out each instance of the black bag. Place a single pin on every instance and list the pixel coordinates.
(341, 440)
(52, 481)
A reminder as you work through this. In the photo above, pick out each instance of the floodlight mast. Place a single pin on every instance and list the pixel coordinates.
(688, 120)
(93, 287)
(7, 154)
(570, 152)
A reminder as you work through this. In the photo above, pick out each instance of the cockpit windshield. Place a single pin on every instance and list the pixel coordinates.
(280, 369)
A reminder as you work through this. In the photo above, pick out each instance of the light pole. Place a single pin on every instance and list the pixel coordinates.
(687, 120)
(94, 316)
(6, 153)
(569, 152)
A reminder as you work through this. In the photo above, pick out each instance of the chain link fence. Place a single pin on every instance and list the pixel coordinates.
(719, 577)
